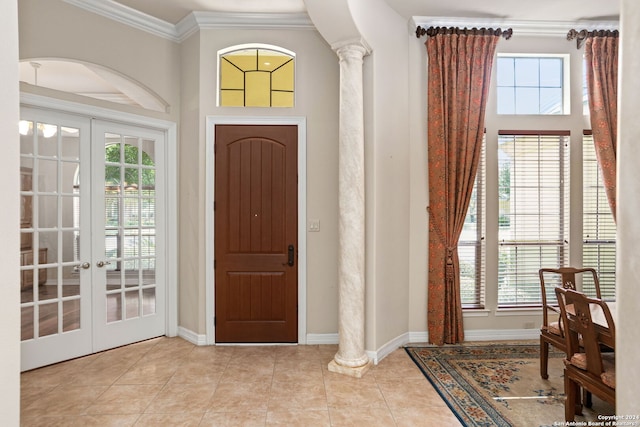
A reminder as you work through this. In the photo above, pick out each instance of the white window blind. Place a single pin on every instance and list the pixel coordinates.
(533, 190)
(598, 227)
(471, 245)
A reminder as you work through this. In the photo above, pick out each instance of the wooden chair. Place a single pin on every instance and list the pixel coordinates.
(551, 330)
(586, 366)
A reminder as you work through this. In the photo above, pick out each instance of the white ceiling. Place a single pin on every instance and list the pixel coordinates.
(535, 10)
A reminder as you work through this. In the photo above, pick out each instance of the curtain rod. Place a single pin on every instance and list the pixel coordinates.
(432, 31)
(582, 35)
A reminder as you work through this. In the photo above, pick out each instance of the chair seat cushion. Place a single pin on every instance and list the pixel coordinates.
(555, 328)
(608, 375)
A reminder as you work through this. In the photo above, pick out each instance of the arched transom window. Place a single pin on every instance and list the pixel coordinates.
(256, 76)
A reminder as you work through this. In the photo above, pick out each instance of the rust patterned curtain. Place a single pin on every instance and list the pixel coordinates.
(459, 73)
(601, 54)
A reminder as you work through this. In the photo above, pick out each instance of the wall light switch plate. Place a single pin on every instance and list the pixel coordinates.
(314, 225)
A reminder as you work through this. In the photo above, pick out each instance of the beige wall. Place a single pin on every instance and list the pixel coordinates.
(316, 99)
(418, 181)
(191, 296)
(55, 29)
(386, 171)
(628, 267)
(9, 217)
(51, 28)
(184, 75)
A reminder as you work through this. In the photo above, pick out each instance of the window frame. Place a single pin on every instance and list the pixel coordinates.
(566, 82)
(258, 47)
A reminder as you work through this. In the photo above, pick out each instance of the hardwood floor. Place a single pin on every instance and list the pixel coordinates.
(48, 312)
(48, 309)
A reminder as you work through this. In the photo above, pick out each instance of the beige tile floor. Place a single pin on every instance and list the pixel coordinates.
(171, 382)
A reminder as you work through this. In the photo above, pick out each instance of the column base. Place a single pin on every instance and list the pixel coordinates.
(356, 372)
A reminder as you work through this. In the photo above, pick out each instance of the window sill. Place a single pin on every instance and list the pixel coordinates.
(475, 312)
(524, 311)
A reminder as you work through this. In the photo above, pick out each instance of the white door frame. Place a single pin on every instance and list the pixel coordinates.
(301, 123)
(171, 156)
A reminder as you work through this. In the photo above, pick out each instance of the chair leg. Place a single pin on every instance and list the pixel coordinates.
(544, 358)
(572, 405)
(587, 401)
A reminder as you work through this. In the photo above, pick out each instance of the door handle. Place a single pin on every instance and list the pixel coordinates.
(290, 255)
(85, 265)
(102, 263)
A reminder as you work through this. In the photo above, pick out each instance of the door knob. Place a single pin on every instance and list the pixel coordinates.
(103, 263)
(85, 265)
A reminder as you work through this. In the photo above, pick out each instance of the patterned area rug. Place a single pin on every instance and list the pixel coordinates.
(499, 384)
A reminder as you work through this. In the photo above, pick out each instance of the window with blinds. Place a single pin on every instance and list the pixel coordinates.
(533, 223)
(598, 227)
(471, 245)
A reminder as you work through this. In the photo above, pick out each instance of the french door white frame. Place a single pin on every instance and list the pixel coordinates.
(45, 349)
(301, 123)
(121, 330)
(171, 173)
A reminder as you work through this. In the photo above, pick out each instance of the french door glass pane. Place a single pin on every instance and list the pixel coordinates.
(71, 310)
(129, 226)
(49, 224)
(48, 319)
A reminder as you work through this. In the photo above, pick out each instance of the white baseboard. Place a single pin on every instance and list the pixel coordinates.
(415, 337)
(312, 339)
(388, 348)
(407, 338)
(315, 339)
(484, 335)
(501, 334)
(192, 337)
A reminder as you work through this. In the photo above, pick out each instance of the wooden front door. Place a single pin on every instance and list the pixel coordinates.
(256, 239)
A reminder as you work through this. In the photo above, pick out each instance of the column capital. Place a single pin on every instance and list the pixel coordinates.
(350, 48)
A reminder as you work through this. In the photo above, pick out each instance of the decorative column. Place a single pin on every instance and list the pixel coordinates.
(351, 358)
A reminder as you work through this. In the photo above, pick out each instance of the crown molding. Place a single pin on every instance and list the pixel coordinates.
(128, 16)
(193, 22)
(520, 28)
(241, 20)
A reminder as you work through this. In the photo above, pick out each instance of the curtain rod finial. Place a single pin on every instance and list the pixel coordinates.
(580, 36)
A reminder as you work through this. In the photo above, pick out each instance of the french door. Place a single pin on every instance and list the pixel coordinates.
(92, 203)
(128, 283)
